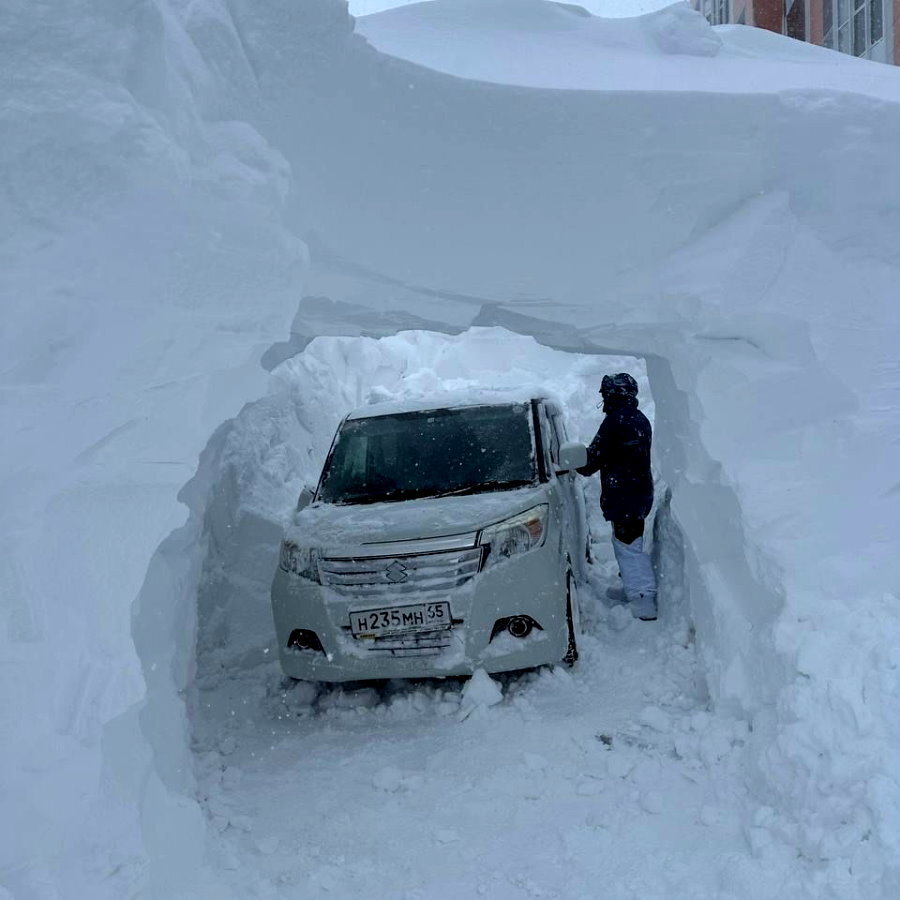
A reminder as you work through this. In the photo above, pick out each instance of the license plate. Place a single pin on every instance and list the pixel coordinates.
(400, 619)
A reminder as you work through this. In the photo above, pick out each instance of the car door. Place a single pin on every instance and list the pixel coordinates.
(571, 494)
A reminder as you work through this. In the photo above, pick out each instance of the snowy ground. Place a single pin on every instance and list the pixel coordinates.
(612, 774)
(611, 780)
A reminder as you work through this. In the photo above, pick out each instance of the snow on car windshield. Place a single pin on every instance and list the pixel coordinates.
(430, 453)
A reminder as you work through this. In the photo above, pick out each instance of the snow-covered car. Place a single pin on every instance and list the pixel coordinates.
(443, 537)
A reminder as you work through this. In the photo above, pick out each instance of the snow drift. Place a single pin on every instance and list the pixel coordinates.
(732, 217)
(555, 45)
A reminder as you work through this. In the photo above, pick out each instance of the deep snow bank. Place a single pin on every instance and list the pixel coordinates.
(745, 241)
(143, 269)
(548, 45)
(737, 223)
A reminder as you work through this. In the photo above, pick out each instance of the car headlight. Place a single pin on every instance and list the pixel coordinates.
(301, 561)
(521, 533)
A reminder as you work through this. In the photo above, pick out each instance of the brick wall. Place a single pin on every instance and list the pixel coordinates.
(769, 14)
(816, 22)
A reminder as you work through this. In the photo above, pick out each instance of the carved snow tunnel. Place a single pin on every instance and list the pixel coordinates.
(278, 444)
(631, 721)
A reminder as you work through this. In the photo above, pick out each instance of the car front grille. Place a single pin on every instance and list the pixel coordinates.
(381, 576)
(426, 643)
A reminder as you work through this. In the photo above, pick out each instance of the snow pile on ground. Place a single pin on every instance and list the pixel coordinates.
(530, 796)
(733, 218)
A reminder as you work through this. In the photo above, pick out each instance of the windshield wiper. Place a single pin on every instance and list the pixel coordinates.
(390, 496)
(480, 486)
(399, 494)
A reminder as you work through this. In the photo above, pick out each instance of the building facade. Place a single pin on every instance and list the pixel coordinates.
(866, 28)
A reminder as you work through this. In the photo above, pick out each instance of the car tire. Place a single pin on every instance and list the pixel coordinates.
(571, 656)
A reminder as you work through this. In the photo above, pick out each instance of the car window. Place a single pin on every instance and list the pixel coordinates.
(559, 424)
(554, 439)
(430, 454)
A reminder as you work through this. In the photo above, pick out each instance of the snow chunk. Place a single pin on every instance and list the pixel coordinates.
(678, 29)
(388, 779)
(619, 618)
(590, 787)
(652, 802)
(708, 815)
(655, 718)
(481, 690)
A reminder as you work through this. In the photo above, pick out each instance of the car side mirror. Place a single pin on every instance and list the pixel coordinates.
(571, 456)
(305, 498)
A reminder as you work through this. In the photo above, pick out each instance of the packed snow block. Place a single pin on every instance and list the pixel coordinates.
(143, 216)
(233, 603)
(481, 690)
(467, 153)
(681, 30)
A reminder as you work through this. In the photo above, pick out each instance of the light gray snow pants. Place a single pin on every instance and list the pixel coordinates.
(638, 577)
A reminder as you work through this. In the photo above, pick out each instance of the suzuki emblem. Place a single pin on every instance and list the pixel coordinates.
(396, 572)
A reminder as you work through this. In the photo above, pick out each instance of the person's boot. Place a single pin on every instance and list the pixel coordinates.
(643, 606)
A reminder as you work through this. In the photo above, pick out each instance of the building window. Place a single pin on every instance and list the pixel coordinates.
(876, 21)
(845, 25)
(795, 19)
(859, 28)
(717, 12)
(852, 26)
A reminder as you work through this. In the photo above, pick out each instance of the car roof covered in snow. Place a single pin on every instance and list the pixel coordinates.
(441, 401)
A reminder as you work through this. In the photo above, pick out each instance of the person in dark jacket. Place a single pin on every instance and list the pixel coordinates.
(621, 451)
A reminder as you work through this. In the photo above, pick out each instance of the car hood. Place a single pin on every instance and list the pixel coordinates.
(334, 528)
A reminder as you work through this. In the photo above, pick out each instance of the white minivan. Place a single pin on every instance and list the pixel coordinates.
(444, 536)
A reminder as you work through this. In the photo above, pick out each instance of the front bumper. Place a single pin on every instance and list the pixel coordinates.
(533, 584)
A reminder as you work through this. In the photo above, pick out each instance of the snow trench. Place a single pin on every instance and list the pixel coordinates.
(205, 602)
(278, 444)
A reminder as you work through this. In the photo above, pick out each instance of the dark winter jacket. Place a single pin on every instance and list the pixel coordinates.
(621, 451)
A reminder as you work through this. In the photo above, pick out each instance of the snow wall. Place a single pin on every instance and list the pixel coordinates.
(140, 221)
(166, 164)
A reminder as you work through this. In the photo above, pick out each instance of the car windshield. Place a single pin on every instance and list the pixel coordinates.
(433, 453)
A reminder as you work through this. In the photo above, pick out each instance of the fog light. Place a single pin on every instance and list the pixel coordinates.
(520, 626)
(302, 639)
(517, 626)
